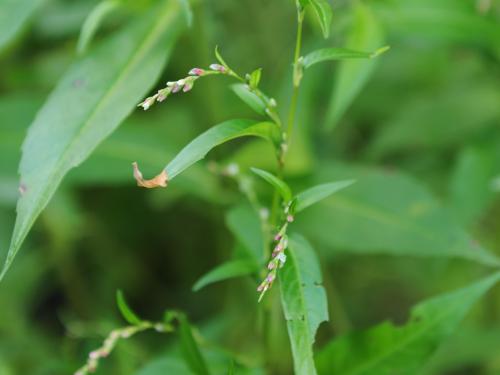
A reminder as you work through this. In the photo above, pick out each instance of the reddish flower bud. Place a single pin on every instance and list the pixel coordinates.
(196, 72)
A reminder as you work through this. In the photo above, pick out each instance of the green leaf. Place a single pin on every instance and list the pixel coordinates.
(90, 101)
(304, 301)
(386, 212)
(219, 58)
(277, 183)
(217, 135)
(13, 16)
(471, 189)
(317, 193)
(252, 100)
(255, 78)
(93, 21)
(332, 54)
(165, 366)
(244, 223)
(323, 12)
(189, 347)
(387, 349)
(128, 314)
(352, 75)
(228, 270)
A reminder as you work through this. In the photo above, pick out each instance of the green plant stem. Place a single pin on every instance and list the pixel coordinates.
(297, 77)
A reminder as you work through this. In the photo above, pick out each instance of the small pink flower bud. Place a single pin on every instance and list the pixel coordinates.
(95, 354)
(271, 265)
(289, 218)
(188, 86)
(196, 72)
(261, 287)
(270, 278)
(148, 102)
(218, 68)
(176, 88)
(278, 237)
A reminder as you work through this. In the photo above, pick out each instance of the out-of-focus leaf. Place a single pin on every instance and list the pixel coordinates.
(387, 349)
(276, 182)
(333, 54)
(446, 118)
(245, 225)
(252, 100)
(323, 12)
(304, 301)
(128, 314)
(387, 213)
(448, 20)
(352, 75)
(93, 21)
(255, 78)
(90, 101)
(165, 366)
(189, 347)
(228, 270)
(317, 193)
(471, 184)
(217, 135)
(13, 15)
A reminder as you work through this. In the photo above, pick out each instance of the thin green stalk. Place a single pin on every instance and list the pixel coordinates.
(297, 77)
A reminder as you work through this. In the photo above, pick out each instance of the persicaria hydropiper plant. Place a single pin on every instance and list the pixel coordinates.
(287, 256)
(281, 242)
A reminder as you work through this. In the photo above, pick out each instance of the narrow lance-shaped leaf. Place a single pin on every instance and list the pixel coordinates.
(387, 349)
(13, 15)
(279, 184)
(386, 212)
(317, 193)
(93, 21)
(213, 137)
(250, 99)
(90, 101)
(189, 347)
(333, 54)
(128, 314)
(304, 302)
(323, 12)
(227, 270)
(351, 76)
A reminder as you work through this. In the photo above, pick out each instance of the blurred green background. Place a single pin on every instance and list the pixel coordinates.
(419, 129)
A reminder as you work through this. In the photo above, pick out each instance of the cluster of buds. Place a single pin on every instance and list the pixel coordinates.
(278, 258)
(111, 341)
(185, 84)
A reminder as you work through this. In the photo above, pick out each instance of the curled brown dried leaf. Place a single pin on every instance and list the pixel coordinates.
(161, 180)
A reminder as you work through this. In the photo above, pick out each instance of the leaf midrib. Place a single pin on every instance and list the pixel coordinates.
(54, 175)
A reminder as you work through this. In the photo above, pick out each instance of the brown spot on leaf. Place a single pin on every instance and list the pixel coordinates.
(160, 180)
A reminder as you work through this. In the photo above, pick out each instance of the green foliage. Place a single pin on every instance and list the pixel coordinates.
(225, 271)
(13, 16)
(252, 100)
(277, 183)
(387, 349)
(317, 193)
(128, 314)
(332, 54)
(365, 35)
(215, 136)
(93, 21)
(101, 100)
(416, 128)
(304, 302)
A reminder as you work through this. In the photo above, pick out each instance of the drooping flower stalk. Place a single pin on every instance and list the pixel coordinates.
(110, 342)
(278, 256)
